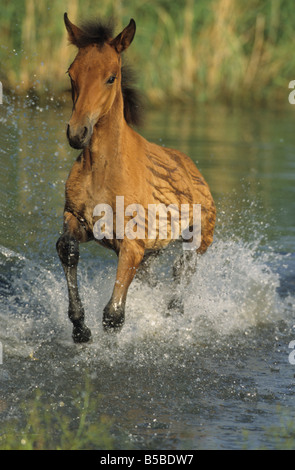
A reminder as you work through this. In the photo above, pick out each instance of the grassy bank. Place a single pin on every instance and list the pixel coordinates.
(185, 50)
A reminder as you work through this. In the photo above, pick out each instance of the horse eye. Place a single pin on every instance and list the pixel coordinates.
(111, 79)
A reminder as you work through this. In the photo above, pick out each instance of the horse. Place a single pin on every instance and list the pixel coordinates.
(115, 160)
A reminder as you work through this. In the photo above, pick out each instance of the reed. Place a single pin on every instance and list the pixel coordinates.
(59, 426)
(185, 50)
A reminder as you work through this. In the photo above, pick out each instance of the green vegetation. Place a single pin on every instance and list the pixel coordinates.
(80, 426)
(280, 436)
(59, 426)
(185, 50)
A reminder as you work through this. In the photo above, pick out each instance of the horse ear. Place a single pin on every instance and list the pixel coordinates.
(125, 38)
(73, 31)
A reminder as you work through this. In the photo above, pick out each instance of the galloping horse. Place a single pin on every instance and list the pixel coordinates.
(116, 161)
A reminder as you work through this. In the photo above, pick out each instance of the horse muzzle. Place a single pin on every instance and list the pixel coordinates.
(79, 136)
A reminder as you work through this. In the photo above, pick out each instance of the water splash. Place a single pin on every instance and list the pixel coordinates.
(233, 290)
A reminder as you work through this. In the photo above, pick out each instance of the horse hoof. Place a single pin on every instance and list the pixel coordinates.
(175, 305)
(81, 334)
(113, 324)
(113, 317)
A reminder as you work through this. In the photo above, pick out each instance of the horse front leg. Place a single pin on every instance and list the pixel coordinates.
(130, 256)
(68, 250)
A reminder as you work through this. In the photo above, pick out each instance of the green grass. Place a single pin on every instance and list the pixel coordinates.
(279, 436)
(185, 50)
(44, 426)
(57, 426)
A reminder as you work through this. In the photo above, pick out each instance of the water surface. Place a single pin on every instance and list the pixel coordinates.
(216, 377)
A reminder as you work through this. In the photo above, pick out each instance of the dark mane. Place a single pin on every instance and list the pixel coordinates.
(97, 32)
(133, 99)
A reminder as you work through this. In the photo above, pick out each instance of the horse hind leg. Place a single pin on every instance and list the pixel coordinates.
(144, 272)
(183, 269)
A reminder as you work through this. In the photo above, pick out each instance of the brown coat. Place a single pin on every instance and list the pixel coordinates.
(117, 161)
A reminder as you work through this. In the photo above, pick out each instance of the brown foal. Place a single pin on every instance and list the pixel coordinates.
(116, 161)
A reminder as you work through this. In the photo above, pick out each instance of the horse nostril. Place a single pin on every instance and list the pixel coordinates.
(78, 136)
(84, 133)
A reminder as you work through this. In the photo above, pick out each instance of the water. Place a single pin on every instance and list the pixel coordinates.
(216, 377)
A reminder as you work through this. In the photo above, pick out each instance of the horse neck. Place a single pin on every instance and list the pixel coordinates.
(106, 141)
